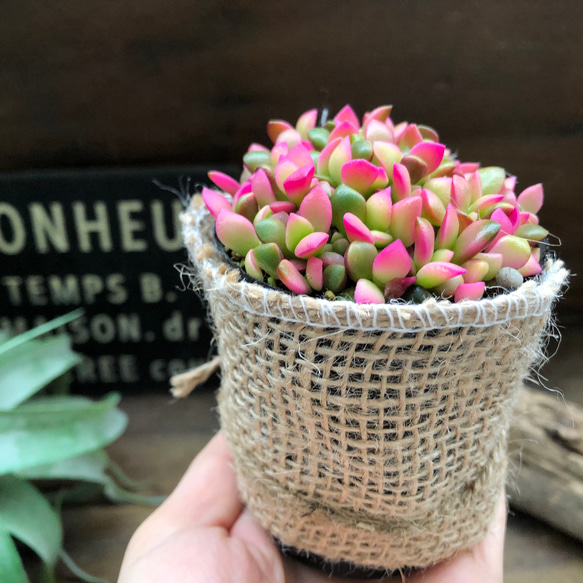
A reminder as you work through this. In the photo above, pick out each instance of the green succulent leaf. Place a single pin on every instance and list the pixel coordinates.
(38, 331)
(28, 367)
(47, 430)
(28, 517)
(11, 568)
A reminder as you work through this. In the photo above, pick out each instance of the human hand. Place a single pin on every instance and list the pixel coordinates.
(203, 534)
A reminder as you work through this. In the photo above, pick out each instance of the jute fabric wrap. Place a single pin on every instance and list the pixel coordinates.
(373, 434)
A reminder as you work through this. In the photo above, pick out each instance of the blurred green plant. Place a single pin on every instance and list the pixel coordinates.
(51, 449)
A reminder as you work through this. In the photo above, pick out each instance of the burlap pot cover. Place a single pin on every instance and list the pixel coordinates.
(373, 434)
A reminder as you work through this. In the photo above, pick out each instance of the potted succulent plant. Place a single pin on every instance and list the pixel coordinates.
(376, 304)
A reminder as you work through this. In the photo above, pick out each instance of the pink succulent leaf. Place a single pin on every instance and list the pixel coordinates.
(247, 206)
(381, 239)
(397, 287)
(514, 218)
(531, 267)
(311, 245)
(356, 230)
(509, 185)
(276, 127)
(307, 121)
(347, 114)
(281, 216)
(448, 288)
(476, 270)
(366, 292)
(325, 154)
(359, 174)
(392, 262)
(475, 184)
(474, 239)
(340, 156)
(263, 213)
(245, 189)
(314, 273)
(492, 178)
(278, 151)
(404, 217)
(531, 199)
(296, 229)
(469, 291)
(399, 130)
(215, 201)
(444, 255)
(424, 242)
(506, 226)
(299, 264)
(387, 155)
(359, 259)
(415, 166)
(433, 274)
(449, 230)
(433, 209)
(379, 209)
(460, 193)
(430, 152)
(381, 180)
(410, 137)
(428, 133)
(262, 188)
(317, 208)
(468, 167)
(300, 156)
(283, 206)
(290, 137)
(290, 276)
(253, 147)
(528, 219)
(224, 182)
(441, 187)
(236, 232)
(377, 131)
(284, 169)
(343, 130)
(298, 184)
(251, 267)
(514, 250)
(494, 261)
(331, 258)
(465, 220)
(401, 188)
(379, 113)
(267, 257)
(483, 204)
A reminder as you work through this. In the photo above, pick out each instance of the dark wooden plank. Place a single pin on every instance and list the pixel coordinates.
(96, 82)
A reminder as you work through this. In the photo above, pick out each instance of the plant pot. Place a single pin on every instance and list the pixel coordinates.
(370, 434)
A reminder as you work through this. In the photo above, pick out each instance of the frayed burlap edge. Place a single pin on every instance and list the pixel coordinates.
(375, 434)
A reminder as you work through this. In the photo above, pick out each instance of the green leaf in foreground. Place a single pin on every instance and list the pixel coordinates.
(27, 516)
(47, 430)
(11, 569)
(28, 367)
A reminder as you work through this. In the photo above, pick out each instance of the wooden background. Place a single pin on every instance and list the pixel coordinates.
(105, 83)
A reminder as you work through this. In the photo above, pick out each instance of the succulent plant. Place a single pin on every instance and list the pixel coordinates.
(372, 211)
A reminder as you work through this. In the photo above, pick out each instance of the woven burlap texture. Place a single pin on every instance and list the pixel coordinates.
(373, 434)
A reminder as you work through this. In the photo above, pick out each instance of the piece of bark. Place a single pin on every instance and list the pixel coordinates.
(546, 453)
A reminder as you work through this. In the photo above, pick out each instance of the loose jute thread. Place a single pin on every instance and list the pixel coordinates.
(374, 434)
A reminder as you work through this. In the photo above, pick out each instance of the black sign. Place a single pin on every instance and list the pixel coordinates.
(109, 242)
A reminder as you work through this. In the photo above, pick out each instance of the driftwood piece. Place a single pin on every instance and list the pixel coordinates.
(546, 452)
